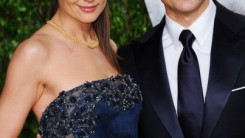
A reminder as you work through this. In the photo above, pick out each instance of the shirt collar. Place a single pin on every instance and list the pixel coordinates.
(204, 21)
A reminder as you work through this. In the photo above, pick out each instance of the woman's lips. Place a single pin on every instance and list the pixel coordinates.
(88, 9)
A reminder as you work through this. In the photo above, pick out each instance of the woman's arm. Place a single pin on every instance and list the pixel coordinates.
(22, 88)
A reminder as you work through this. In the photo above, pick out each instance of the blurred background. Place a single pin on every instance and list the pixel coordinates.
(20, 18)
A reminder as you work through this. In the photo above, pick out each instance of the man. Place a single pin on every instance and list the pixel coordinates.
(156, 10)
(219, 49)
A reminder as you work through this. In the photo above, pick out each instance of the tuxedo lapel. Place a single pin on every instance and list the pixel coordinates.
(156, 87)
(225, 63)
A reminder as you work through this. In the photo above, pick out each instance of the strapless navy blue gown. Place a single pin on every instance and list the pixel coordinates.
(107, 108)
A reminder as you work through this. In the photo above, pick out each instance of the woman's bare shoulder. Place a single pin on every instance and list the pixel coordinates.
(35, 48)
(30, 50)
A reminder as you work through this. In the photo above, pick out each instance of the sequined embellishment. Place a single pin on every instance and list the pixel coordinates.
(73, 112)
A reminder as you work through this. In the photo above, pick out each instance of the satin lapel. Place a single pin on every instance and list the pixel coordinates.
(154, 82)
(224, 67)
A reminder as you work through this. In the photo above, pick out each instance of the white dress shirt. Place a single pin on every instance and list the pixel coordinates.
(202, 28)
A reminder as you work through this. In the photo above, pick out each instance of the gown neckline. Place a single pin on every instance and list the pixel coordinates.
(63, 92)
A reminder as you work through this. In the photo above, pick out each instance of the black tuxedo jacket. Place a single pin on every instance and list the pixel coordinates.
(225, 99)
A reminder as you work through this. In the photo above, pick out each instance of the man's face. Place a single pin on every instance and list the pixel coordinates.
(176, 7)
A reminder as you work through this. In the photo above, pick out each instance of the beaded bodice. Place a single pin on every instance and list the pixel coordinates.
(107, 108)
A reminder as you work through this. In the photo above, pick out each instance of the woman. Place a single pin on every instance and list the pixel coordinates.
(67, 74)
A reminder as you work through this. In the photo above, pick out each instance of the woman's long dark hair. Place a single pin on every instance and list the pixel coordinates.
(101, 27)
(50, 9)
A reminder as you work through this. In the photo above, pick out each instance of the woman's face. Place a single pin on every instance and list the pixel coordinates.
(86, 11)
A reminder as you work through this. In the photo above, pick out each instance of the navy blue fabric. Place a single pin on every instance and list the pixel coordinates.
(114, 123)
(108, 108)
(190, 95)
